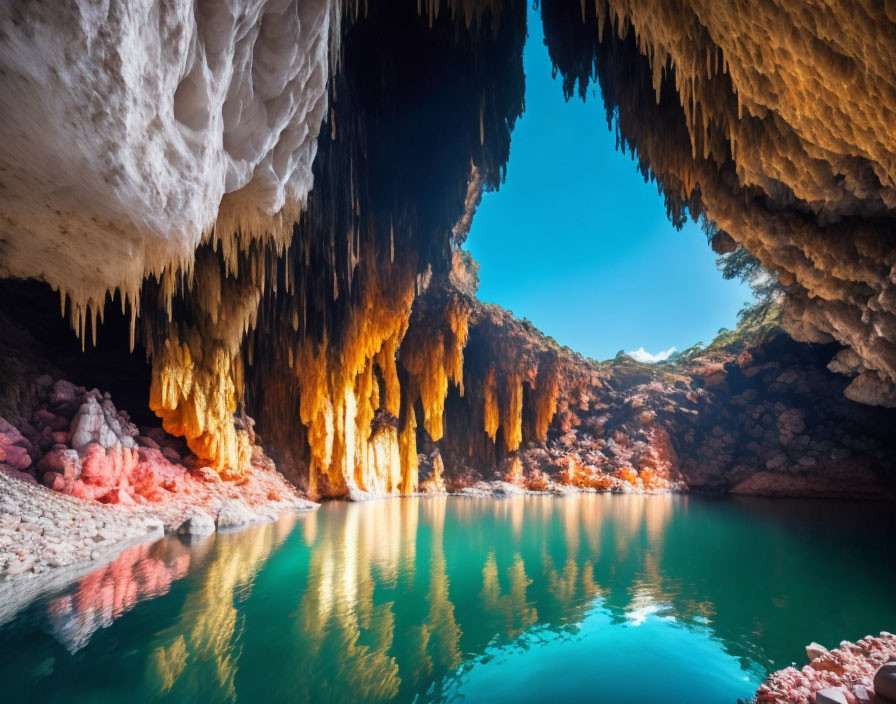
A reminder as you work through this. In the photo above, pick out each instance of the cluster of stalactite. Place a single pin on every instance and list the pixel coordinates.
(421, 113)
(286, 302)
(774, 119)
(510, 386)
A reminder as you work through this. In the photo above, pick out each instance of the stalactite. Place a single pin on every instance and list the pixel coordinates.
(433, 356)
(491, 413)
(340, 394)
(512, 409)
(197, 381)
(547, 389)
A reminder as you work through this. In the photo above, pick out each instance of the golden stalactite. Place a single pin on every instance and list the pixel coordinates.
(547, 390)
(491, 413)
(433, 356)
(197, 369)
(408, 452)
(512, 409)
(195, 391)
(340, 393)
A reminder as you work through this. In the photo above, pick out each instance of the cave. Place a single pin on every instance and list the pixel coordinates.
(244, 336)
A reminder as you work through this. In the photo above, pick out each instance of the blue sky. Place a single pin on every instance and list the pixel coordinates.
(576, 242)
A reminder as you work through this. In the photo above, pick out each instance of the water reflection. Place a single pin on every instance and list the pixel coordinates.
(412, 599)
(97, 600)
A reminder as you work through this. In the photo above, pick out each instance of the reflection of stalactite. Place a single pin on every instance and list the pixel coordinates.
(441, 622)
(513, 606)
(209, 628)
(338, 610)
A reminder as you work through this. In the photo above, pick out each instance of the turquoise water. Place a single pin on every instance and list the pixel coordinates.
(588, 598)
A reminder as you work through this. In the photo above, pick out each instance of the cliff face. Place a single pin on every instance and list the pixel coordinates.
(754, 413)
(276, 193)
(774, 120)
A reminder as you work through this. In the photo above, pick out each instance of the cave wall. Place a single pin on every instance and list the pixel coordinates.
(774, 120)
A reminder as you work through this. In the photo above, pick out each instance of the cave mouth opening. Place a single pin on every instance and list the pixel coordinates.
(577, 242)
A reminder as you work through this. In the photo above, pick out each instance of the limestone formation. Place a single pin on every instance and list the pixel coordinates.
(277, 192)
(134, 131)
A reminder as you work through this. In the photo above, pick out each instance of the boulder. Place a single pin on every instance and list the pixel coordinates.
(234, 514)
(885, 681)
(96, 423)
(197, 524)
(814, 650)
(831, 695)
(171, 455)
(15, 456)
(61, 460)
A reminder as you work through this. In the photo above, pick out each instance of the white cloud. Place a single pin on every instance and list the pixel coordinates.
(642, 355)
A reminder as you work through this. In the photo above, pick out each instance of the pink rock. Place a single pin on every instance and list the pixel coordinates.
(98, 467)
(144, 479)
(55, 481)
(117, 496)
(62, 461)
(15, 456)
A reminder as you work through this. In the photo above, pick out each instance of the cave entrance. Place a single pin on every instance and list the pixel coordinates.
(578, 243)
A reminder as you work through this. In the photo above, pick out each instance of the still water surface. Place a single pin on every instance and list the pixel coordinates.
(588, 598)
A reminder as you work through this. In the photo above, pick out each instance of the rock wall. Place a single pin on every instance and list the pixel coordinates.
(755, 412)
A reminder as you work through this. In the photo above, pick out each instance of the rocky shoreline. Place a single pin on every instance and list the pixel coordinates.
(863, 672)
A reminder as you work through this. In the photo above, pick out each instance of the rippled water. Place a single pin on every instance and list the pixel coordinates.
(587, 598)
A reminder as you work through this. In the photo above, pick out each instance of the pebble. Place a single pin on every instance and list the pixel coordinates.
(41, 529)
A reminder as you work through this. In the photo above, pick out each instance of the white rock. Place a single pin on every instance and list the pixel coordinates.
(234, 514)
(831, 695)
(197, 524)
(134, 127)
(814, 650)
